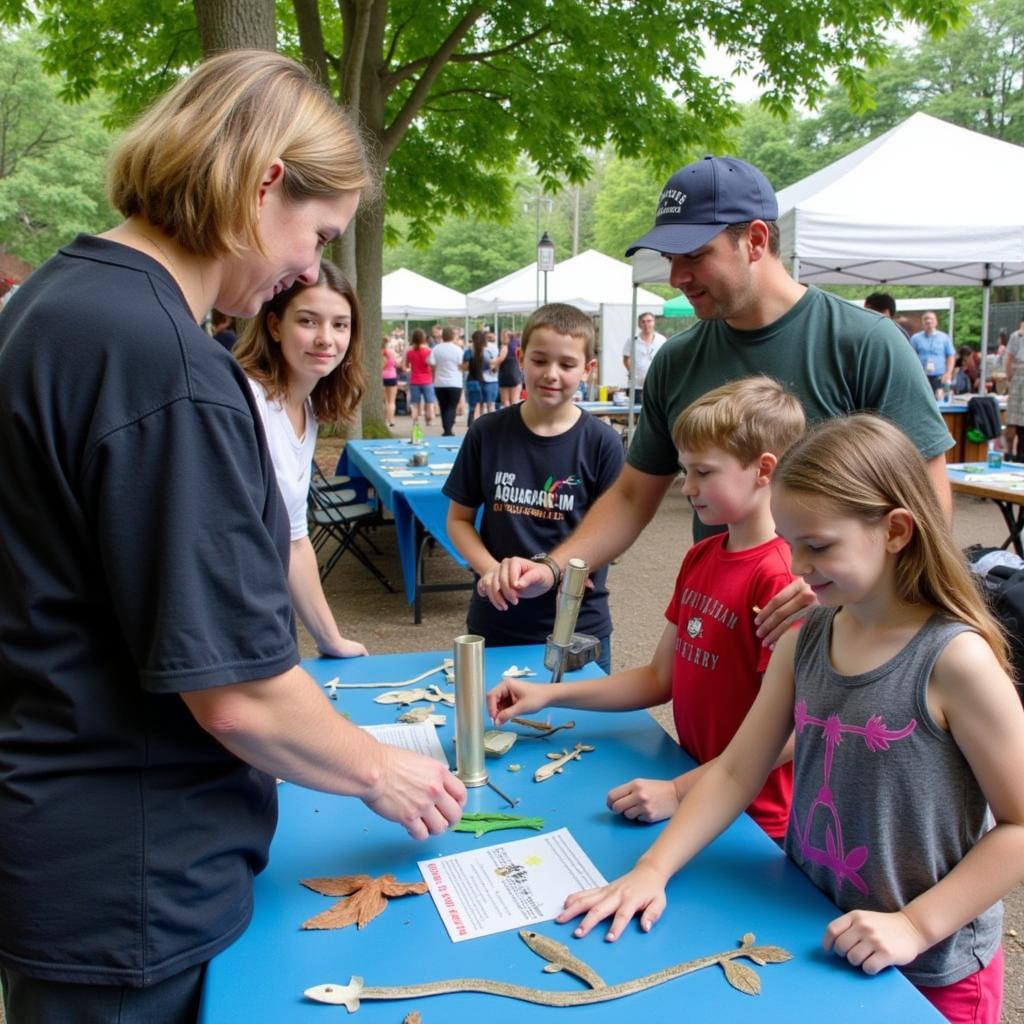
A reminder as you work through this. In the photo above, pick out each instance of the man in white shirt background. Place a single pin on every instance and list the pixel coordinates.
(648, 341)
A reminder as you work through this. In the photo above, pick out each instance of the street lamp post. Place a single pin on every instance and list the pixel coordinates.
(545, 260)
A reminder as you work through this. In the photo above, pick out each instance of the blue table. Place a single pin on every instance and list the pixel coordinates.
(419, 508)
(975, 478)
(741, 883)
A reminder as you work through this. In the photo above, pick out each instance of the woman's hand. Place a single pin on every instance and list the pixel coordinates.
(343, 648)
(641, 891)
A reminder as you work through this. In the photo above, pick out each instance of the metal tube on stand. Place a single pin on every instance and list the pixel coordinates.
(574, 583)
(469, 710)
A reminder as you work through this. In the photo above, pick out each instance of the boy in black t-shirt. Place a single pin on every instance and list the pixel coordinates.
(535, 467)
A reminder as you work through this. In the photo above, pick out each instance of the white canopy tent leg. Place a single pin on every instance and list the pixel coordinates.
(986, 296)
(632, 369)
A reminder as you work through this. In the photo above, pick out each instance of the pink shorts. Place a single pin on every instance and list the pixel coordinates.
(976, 999)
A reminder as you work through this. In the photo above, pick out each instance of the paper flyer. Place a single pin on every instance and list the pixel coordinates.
(495, 888)
(419, 737)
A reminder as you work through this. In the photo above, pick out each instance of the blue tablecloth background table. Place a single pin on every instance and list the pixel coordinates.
(975, 478)
(420, 509)
(741, 883)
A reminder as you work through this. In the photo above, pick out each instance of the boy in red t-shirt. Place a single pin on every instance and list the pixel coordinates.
(709, 660)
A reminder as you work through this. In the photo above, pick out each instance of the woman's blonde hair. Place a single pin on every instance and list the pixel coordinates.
(336, 396)
(193, 163)
(865, 467)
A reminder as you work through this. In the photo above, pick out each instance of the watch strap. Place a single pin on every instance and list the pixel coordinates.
(555, 568)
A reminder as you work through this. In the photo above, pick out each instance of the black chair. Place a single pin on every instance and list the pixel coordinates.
(345, 522)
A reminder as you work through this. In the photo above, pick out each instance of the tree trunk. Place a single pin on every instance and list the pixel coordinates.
(235, 25)
(364, 26)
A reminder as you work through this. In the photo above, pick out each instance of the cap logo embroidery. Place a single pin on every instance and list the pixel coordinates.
(668, 197)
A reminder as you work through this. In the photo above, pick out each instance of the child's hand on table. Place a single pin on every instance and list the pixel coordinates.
(641, 890)
(513, 697)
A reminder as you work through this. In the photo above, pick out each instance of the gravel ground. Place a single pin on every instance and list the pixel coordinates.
(640, 583)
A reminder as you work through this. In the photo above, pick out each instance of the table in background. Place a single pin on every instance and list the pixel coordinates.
(975, 478)
(741, 883)
(420, 509)
(954, 415)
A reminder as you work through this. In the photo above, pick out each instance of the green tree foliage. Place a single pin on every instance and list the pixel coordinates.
(52, 157)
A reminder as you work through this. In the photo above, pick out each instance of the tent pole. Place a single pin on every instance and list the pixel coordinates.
(985, 299)
(796, 268)
(632, 369)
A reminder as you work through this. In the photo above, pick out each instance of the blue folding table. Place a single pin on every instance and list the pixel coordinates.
(415, 500)
(741, 883)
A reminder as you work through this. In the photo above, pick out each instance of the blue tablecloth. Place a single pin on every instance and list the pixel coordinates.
(407, 501)
(741, 883)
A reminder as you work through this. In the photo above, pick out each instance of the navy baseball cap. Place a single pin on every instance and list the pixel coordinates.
(703, 199)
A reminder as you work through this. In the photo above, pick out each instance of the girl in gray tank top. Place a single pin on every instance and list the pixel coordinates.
(908, 781)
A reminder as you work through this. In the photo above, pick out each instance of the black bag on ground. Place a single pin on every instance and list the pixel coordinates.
(1004, 589)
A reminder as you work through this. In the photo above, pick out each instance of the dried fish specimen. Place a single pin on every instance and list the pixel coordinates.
(740, 976)
(482, 822)
(498, 742)
(514, 768)
(551, 730)
(445, 667)
(532, 723)
(412, 1018)
(435, 693)
(368, 898)
(557, 761)
(424, 714)
(515, 672)
(401, 697)
(332, 686)
(560, 959)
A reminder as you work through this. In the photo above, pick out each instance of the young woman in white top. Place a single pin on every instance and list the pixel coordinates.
(303, 357)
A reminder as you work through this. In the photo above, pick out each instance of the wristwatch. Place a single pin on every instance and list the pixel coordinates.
(551, 564)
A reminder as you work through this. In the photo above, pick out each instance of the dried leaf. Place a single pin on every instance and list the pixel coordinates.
(769, 954)
(367, 898)
(392, 888)
(742, 977)
(340, 885)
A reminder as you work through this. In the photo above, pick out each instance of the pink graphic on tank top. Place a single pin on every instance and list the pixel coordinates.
(844, 864)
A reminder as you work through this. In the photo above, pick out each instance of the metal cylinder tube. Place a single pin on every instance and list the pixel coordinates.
(470, 709)
(574, 583)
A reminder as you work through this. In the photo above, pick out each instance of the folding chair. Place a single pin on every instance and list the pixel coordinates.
(343, 522)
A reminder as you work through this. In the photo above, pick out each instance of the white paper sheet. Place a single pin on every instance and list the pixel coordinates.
(496, 888)
(420, 737)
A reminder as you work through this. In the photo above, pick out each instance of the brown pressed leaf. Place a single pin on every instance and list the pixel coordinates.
(769, 954)
(340, 885)
(367, 898)
(392, 888)
(742, 977)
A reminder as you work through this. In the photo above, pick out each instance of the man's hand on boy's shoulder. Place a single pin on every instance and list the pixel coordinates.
(512, 579)
(785, 609)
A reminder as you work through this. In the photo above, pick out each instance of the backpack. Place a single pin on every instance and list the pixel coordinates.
(1003, 588)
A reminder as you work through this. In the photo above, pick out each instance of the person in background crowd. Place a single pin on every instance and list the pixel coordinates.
(934, 349)
(474, 359)
(222, 328)
(419, 364)
(1013, 366)
(389, 379)
(151, 683)
(648, 341)
(303, 357)
(885, 304)
(447, 378)
(510, 375)
(490, 373)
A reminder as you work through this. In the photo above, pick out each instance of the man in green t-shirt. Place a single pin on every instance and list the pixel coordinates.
(716, 224)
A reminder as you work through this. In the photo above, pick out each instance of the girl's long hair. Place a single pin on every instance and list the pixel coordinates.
(865, 467)
(418, 339)
(337, 396)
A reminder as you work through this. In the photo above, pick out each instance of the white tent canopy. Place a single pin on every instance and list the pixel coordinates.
(406, 295)
(589, 281)
(596, 283)
(926, 203)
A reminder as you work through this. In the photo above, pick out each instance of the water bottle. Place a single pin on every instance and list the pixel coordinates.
(995, 457)
(417, 434)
